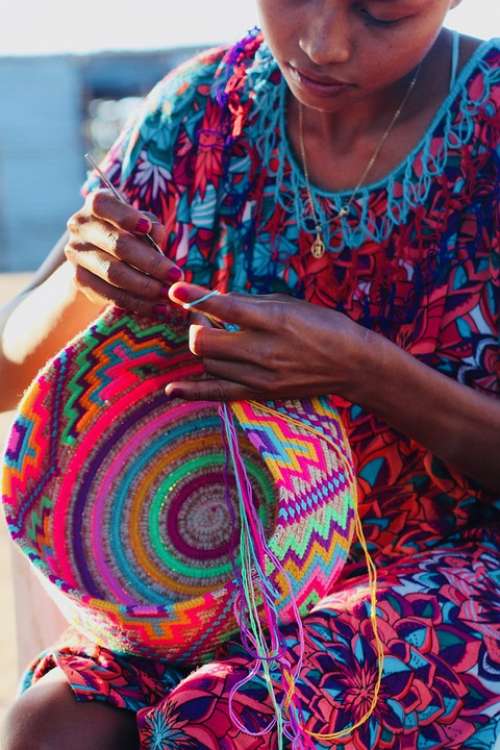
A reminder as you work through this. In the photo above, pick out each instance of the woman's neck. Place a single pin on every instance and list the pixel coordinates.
(339, 145)
(369, 118)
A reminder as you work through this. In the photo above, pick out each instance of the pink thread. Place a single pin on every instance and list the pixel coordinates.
(291, 725)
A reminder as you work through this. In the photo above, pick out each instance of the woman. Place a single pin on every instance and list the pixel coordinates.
(347, 164)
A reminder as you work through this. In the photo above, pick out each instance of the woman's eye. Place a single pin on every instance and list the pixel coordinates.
(377, 21)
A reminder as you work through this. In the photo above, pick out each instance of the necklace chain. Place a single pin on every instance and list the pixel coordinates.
(318, 246)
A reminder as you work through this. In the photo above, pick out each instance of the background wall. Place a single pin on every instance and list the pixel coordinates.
(51, 121)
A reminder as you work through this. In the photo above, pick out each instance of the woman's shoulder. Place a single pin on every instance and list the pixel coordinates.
(177, 92)
(207, 86)
(191, 112)
(232, 75)
(467, 117)
(478, 78)
(469, 45)
(215, 74)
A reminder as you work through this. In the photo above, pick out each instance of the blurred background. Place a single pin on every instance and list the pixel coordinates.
(70, 75)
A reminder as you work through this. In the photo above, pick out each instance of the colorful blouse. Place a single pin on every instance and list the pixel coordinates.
(417, 259)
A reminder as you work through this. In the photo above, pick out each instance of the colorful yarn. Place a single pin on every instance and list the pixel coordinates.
(119, 496)
(257, 590)
(197, 302)
(292, 728)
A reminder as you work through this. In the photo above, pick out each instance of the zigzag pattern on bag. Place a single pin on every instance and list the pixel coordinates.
(116, 493)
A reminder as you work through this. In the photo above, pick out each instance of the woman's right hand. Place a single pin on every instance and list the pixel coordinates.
(114, 261)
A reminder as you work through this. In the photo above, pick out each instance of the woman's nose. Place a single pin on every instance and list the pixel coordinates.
(326, 38)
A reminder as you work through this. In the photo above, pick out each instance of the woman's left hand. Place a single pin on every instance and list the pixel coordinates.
(284, 348)
(287, 348)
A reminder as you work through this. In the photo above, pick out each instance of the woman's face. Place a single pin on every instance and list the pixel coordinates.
(364, 45)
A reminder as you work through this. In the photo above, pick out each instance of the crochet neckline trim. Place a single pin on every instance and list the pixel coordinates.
(407, 185)
(462, 78)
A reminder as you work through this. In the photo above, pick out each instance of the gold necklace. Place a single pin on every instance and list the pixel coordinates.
(318, 246)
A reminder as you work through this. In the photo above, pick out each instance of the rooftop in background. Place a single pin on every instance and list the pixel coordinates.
(57, 26)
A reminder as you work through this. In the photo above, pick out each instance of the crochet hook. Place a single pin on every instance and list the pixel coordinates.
(122, 199)
(117, 194)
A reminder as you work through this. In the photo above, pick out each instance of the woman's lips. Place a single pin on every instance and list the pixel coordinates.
(323, 88)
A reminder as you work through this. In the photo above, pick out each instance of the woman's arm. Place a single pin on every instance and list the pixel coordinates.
(290, 349)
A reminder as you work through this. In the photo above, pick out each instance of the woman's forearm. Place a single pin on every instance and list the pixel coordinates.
(456, 423)
(33, 328)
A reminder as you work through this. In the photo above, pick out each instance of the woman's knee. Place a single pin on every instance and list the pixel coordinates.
(34, 720)
(47, 717)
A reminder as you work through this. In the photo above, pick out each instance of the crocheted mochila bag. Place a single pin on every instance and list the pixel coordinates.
(121, 497)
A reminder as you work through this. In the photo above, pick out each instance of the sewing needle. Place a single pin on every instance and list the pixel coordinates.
(117, 194)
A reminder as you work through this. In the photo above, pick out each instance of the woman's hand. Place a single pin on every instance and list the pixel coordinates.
(114, 261)
(284, 348)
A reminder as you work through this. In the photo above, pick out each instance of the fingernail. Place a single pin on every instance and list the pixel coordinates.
(161, 310)
(193, 333)
(175, 274)
(183, 295)
(143, 226)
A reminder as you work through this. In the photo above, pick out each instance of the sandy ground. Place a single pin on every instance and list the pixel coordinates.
(9, 285)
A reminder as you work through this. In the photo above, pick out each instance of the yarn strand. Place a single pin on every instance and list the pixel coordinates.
(372, 585)
(257, 591)
(257, 587)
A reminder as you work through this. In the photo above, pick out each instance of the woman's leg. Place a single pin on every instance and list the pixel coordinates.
(439, 622)
(47, 717)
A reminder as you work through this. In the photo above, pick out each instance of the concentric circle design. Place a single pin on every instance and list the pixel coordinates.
(139, 509)
(122, 498)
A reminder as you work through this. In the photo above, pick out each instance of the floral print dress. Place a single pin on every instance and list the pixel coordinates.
(417, 260)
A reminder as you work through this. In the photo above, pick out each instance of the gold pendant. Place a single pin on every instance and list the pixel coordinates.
(318, 247)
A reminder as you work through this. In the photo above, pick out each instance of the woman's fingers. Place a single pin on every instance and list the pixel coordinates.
(106, 239)
(239, 309)
(103, 205)
(198, 319)
(102, 291)
(207, 341)
(250, 376)
(118, 274)
(129, 249)
(209, 390)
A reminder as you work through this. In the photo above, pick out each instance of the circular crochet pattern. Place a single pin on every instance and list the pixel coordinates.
(122, 500)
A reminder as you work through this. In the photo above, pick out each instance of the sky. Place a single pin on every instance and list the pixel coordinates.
(54, 26)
